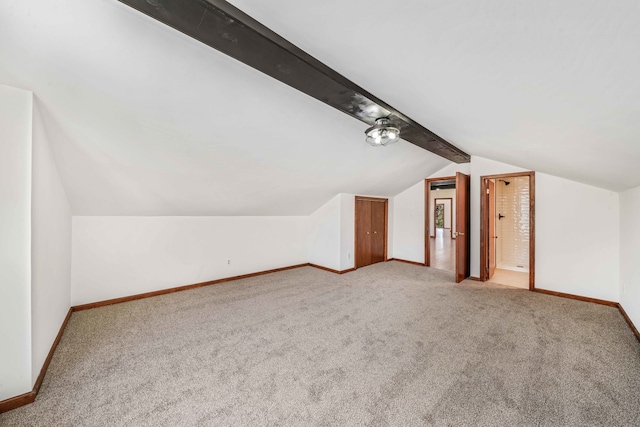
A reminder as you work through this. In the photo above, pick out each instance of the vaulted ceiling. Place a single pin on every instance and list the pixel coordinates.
(147, 121)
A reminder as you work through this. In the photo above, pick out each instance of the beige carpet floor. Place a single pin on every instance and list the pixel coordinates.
(389, 344)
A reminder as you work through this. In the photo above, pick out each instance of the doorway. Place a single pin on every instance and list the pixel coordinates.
(441, 240)
(447, 223)
(371, 215)
(443, 215)
(507, 228)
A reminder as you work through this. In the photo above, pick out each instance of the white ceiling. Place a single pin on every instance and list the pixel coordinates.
(547, 85)
(146, 121)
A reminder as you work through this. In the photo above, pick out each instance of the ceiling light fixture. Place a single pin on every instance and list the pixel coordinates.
(382, 133)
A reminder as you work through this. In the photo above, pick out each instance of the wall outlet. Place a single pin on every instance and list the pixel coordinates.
(228, 261)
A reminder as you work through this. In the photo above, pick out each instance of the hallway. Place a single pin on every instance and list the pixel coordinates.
(443, 250)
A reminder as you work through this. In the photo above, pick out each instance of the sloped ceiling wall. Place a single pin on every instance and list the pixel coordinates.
(146, 121)
(545, 85)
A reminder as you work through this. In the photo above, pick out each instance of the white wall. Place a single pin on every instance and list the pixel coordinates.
(347, 231)
(577, 238)
(437, 194)
(15, 241)
(325, 228)
(630, 254)
(51, 248)
(408, 224)
(451, 169)
(391, 228)
(121, 256)
(576, 248)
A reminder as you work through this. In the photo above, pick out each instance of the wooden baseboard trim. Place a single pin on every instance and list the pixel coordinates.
(331, 270)
(45, 366)
(577, 297)
(475, 279)
(179, 289)
(421, 264)
(30, 397)
(18, 401)
(628, 319)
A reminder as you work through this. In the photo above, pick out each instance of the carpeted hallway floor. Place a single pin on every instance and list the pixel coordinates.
(389, 344)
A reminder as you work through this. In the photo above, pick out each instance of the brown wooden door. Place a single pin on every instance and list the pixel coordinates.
(371, 231)
(378, 214)
(462, 226)
(491, 202)
(363, 233)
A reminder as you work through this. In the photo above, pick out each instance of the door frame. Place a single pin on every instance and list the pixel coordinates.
(492, 258)
(355, 224)
(484, 224)
(427, 216)
(450, 214)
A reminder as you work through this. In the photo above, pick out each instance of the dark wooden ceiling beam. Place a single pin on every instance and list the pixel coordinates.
(224, 27)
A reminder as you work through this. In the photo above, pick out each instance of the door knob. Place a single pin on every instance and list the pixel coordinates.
(375, 232)
(367, 232)
(460, 233)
